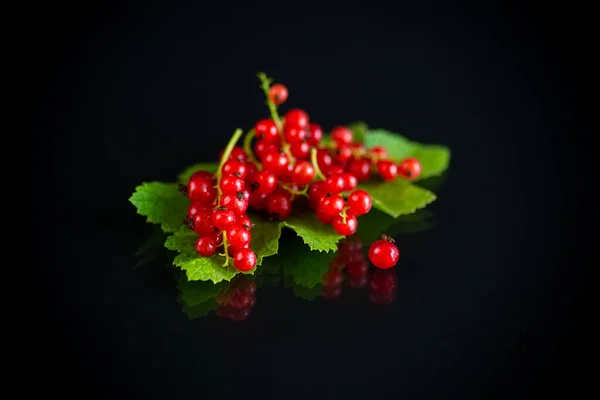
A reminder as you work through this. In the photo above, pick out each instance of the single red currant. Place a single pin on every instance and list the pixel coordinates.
(300, 150)
(315, 194)
(244, 220)
(202, 175)
(334, 169)
(234, 167)
(324, 159)
(303, 173)
(217, 238)
(232, 184)
(334, 184)
(360, 202)
(206, 246)
(387, 170)
(235, 202)
(266, 130)
(341, 135)
(276, 161)
(315, 134)
(203, 223)
(384, 254)
(343, 153)
(358, 149)
(251, 171)
(409, 168)
(360, 168)
(332, 205)
(238, 153)
(350, 181)
(279, 205)
(258, 201)
(201, 190)
(238, 236)
(262, 148)
(223, 218)
(345, 228)
(294, 134)
(244, 260)
(322, 217)
(195, 207)
(278, 93)
(378, 152)
(297, 118)
(265, 182)
(286, 175)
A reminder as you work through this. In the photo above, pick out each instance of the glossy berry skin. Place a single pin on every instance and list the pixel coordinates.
(303, 173)
(315, 134)
(279, 205)
(258, 201)
(294, 134)
(206, 246)
(244, 260)
(262, 148)
(251, 171)
(347, 228)
(334, 169)
(232, 184)
(275, 161)
(409, 169)
(360, 202)
(332, 205)
(350, 181)
(195, 207)
(334, 184)
(300, 150)
(324, 159)
(360, 168)
(203, 223)
(223, 218)
(278, 93)
(341, 135)
(383, 254)
(238, 236)
(378, 152)
(265, 182)
(296, 118)
(235, 202)
(244, 221)
(266, 130)
(387, 170)
(201, 190)
(234, 167)
(238, 153)
(315, 194)
(217, 237)
(202, 175)
(322, 217)
(343, 153)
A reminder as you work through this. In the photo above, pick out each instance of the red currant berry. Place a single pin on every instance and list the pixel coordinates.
(244, 260)
(244, 220)
(324, 159)
(360, 168)
(262, 148)
(294, 134)
(258, 201)
(383, 254)
(358, 149)
(322, 217)
(315, 194)
(201, 190)
(238, 153)
(223, 218)
(206, 246)
(276, 161)
(387, 170)
(279, 205)
(332, 205)
(203, 223)
(195, 207)
(300, 150)
(286, 175)
(217, 238)
(304, 173)
(345, 228)
(238, 236)
(315, 134)
(265, 182)
(359, 202)
(232, 184)
(350, 181)
(234, 167)
(334, 169)
(297, 118)
(334, 184)
(343, 153)
(278, 93)
(235, 202)
(239, 300)
(341, 135)
(202, 175)
(409, 169)
(378, 152)
(266, 130)
(251, 171)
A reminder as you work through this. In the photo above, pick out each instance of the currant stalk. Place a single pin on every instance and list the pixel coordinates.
(248, 149)
(313, 158)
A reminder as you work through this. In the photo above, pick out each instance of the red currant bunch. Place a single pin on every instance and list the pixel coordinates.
(236, 303)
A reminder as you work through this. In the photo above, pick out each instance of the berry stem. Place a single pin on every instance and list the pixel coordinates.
(293, 192)
(248, 148)
(313, 158)
(344, 215)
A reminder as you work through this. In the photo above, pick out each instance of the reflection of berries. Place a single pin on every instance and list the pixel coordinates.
(238, 300)
(332, 278)
(383, 286)
(384, 253)
(330, 293)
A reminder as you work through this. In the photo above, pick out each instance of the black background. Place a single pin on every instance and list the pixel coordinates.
(489, 302)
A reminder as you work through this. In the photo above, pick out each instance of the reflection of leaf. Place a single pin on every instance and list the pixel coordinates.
(200, 310)
(185, 175)
(398, 197)
(161, 203)
(305, 293)
(151, 249)
(306, 267)
(198, 292)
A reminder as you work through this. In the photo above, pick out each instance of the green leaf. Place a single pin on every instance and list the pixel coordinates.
(200, 310)
(315, 234)
(198, 292)
(306, 267)
(162, 203)
(398, 197)
(434, 158)
(184, 176)
(359, 130)
(265, 238)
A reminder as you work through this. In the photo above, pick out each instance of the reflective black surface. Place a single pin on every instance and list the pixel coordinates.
(483, 297)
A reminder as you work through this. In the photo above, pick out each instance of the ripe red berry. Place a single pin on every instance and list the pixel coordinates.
(332, 205)
(232, 184)
(324, 159)
(334, 169)
(343, 153)
(360, 202)
(341, 135)
(387, 170)
(409, 168)
(358, 149)
(195, 207)
(278, 93)
(206, 246)
(203, 223)
(322, 217)
(315, 134)
(383, 254)
(223, 218)
(276, 161)
(238, 236)
(279, 205)
(266, 130)
(201, 190)
(235, 202)
(303, 173)
(334, 184)
(217, 238)
(350, 181)
(238, 153)
(297, 118)
(244, 260)
(244, 220)
(234, 167)
(294, 134)
(300, 150)
(315, 194)
(360, 168)
(262, 148)
(258, 201)
(265, 182)
(378, 152)
(345, 228)
(202, 175)
(251, 171)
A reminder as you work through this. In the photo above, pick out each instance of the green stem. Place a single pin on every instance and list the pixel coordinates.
(344, 215)
(248, 148)
(313, 158)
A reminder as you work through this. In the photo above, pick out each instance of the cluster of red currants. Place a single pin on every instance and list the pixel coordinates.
(235, 303)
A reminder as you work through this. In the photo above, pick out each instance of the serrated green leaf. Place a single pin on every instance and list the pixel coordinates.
(265, 238)
(198, 292)
(315, 234)
(162, 203)
(398, 197)
(434, 158)
(184, 176)
(200, 310)
(359, 130)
